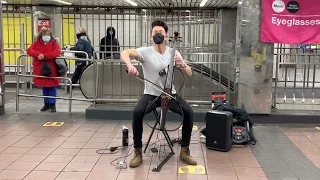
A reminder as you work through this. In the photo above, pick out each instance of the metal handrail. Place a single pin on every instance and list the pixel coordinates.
(3, 82)
(23, 65)
(80, 52)
(14, 49)
(95, 78)
(56, 97)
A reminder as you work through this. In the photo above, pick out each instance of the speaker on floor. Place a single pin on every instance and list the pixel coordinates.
(219, 126)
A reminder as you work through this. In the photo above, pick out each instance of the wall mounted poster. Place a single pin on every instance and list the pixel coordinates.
(290, 21)
(43, 23)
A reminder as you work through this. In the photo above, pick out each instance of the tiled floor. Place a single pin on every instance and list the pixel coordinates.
(31, 151)
(307, 140)
(28, 150)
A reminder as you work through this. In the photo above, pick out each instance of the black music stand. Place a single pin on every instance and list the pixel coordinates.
(167, 137)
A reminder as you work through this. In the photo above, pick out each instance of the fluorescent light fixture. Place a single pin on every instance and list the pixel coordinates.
(131, 3)
(240, 2)
(63, 2)
(203, 2)
(4, 2)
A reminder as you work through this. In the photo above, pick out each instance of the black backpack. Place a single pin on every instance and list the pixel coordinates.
(242, 133)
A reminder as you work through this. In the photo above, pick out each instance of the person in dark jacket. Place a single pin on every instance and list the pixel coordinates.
(83, 44)
(109, 43)
(45, 48)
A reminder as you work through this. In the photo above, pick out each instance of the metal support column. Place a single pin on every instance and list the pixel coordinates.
(23, 63)
(2, 80)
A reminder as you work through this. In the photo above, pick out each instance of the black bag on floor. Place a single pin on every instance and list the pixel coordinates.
(46, 69)
(242, 133)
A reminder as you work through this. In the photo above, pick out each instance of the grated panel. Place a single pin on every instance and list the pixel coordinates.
(141, 3)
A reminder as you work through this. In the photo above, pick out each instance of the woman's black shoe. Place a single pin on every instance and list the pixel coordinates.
(53, 107)
(45, 107)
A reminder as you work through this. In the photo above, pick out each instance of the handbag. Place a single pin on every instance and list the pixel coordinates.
(62, 66)
(46, 69)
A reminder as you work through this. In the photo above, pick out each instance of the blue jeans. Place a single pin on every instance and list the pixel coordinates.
(49, 91)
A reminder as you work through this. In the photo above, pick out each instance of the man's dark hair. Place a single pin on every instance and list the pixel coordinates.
(159, 23)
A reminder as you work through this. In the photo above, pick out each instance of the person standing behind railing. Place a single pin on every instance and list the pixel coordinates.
(83, 44)
(109, 43)
(45, 48)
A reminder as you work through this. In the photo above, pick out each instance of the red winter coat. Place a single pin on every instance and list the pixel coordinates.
(51, 50)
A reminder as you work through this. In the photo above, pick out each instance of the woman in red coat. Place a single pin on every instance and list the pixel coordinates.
(45, 47)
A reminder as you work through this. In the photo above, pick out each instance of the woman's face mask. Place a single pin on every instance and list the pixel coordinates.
(80, 34)
(46, 38)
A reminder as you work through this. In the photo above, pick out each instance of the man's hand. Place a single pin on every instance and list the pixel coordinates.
(41, 57)
(179, 62)
(132, 70)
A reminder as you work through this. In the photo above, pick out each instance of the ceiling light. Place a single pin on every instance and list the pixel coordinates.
(4, 2)
(63, 2)
(240, 2)
(203, 2)
(131, 3)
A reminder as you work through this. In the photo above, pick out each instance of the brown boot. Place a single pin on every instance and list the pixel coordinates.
(137, 158)
(185, 156)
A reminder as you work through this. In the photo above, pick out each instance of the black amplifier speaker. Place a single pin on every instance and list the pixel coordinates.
(219, 126)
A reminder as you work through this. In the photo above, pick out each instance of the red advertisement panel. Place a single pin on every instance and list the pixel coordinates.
(43, 23)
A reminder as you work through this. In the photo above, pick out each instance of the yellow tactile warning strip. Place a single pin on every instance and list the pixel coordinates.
(56, 124)
(199, 169)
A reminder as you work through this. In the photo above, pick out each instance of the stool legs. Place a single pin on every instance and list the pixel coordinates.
(154, 127)
(168, 139)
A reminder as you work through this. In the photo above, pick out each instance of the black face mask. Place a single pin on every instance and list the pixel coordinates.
(158, 38)
(81, 34)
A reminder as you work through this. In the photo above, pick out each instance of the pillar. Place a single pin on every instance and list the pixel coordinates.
(227, 42)
(2, 90)
(254, 60)
(52, 13)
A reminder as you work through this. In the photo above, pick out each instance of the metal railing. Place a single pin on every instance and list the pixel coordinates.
(72, 66)
(212, 71)
(70, 98)
(198, 102)
(222, 81)
(296, 81)
(24, 67)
